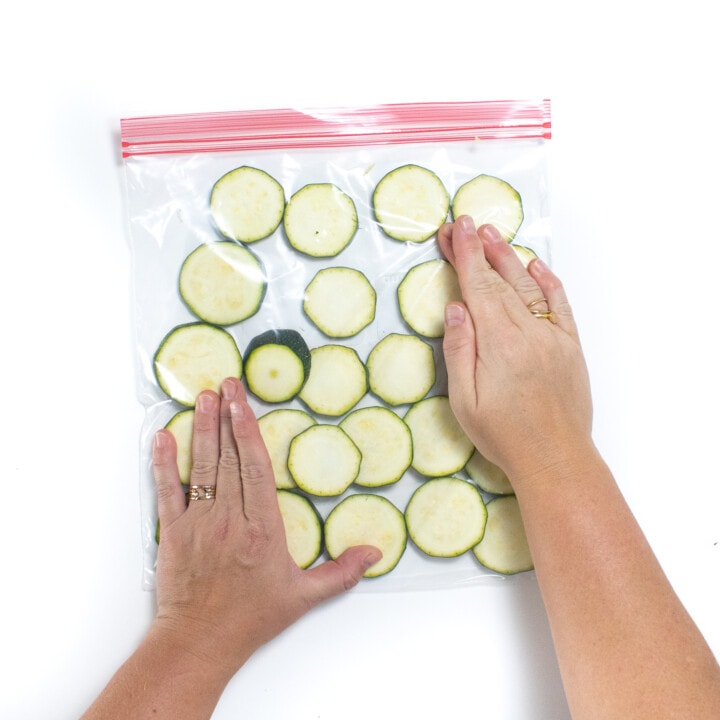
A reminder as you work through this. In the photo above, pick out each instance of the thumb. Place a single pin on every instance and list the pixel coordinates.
(337, 576)
(460, 352)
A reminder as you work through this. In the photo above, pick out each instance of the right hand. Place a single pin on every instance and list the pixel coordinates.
(518, 384)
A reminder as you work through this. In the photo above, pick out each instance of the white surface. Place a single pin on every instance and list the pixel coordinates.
(635, 188)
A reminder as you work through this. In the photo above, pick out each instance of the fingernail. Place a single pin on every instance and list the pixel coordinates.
(160, 440)
(466, 223)
(371, 558)
(490, 234)
(206, 402)
(454, 315)
(237, 410)
(227, 389)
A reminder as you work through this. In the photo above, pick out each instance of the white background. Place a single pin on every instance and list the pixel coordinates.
(635, 237)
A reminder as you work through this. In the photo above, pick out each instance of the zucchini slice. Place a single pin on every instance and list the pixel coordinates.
(446, 517)
(222, 282)
(181, 426)
(410, 203)
(340, 301)
(303, 527)
(247, 204)
(320, 220)
(277, 364)
(526, 254)
(384, 442)
(488, 199)
(440, 446)
(323, 460)
(278, 428)
(195, 357)
(401, 369)
(337, 382)
(423, 294)
(488, 476)
(367, 519)
(504, 547)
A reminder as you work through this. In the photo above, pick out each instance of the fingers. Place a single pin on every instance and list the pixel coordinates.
(205, 442)
(336, 576)
(170, 493)
(229, 486)
(506, 262)
(553, 290)
(259, 495)
(459, 349)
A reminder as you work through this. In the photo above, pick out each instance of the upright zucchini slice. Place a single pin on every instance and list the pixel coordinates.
(384, 442)
(181, 426)
(277, 364)
(504, 547)
(440, 447)
(446, 517)
(488, 476)
(367, 519)
(488, 199)
(195, 357)
(222, 283)
(340, 301)
(323, 460)
(423, 294)
(278, 428)
(303, 527)
(401, 369)
(410, 203)
(337, 382)
(247, 204)
(320, 220)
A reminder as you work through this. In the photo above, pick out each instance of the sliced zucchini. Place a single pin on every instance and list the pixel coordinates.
(490, 200)
(278, 428)
(247, 204)
(401, 369)
(195, 357)
(323, 460)
(320, 220)
(446, 517)
(277, 364)
(367, 519)
(181, 426)
(337, 382)
(384, 442)
(340, 301)
(504, 547)
(488, 476)
(410, 203)
(526, 254)
(303, 527)
(440, 447)
(222, 283)
(423, 294)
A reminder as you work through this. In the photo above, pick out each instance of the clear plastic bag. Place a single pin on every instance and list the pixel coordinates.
(171, 164)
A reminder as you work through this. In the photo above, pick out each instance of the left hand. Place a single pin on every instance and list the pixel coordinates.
(226, 582)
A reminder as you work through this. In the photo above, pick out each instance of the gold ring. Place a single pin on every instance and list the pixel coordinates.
(201, 492)
(546, 315)
(536, 302)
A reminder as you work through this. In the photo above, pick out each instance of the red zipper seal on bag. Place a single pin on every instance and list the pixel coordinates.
(335, 127)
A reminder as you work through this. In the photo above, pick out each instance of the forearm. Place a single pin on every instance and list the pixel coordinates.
(162, 680)
(620, 632)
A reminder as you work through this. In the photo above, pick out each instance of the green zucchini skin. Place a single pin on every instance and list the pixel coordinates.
(281, 339)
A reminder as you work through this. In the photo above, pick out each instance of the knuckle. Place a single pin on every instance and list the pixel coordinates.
(254, 472)
(203, 470)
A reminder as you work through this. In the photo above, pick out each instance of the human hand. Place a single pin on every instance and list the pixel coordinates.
(226, 582)
(518, 383)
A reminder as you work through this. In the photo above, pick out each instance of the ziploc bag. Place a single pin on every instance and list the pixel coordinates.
(172, 163)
